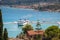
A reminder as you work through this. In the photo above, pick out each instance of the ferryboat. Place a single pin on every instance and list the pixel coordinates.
(22, 22)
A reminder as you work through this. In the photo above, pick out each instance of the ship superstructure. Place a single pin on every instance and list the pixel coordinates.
(23, 22)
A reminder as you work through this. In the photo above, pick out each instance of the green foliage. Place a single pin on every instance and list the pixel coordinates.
(52, 31)
(5, 34)
(26, 28)
(38, 25)
(1, 26)
(38, 37)
(55, 38)
(59, 34)
(21, 35)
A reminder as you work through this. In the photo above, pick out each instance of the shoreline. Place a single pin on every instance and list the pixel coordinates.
(29, 7)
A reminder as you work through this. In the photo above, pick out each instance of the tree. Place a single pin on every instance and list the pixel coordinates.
(1, 26)
(55, 38)
(59, 34)
(5, 34)
(52, 31)
(38, 25)
(38, 37)
(26, 28)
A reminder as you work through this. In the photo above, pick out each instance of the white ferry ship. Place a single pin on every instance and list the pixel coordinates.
(23, 22)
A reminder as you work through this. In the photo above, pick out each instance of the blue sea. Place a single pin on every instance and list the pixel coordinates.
(11, 14)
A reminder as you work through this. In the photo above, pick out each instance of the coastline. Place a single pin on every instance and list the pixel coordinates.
(29, 7)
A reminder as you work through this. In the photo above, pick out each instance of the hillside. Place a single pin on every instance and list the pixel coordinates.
(55, 7)
(25, 2)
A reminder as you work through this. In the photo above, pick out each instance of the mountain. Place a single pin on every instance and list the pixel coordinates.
(24, 2)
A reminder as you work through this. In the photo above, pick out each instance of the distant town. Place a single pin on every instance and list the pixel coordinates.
(41, 5)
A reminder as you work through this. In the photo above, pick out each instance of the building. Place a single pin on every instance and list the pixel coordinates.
(32, 34)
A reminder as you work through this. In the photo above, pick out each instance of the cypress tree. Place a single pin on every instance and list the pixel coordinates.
(1, 25)
(5, 34)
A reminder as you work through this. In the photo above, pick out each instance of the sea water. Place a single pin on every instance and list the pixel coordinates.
(11, 14)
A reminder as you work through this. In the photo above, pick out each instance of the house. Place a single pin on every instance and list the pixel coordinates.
(32, 34)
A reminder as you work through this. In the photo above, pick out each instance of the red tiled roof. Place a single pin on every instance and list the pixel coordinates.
(32, 32)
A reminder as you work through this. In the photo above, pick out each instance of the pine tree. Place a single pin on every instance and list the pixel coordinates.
(1, 25)
(38, 25)
(5, 34)
(38, 37)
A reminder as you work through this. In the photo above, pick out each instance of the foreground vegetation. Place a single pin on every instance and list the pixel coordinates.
(51, 33)
(3, 33)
